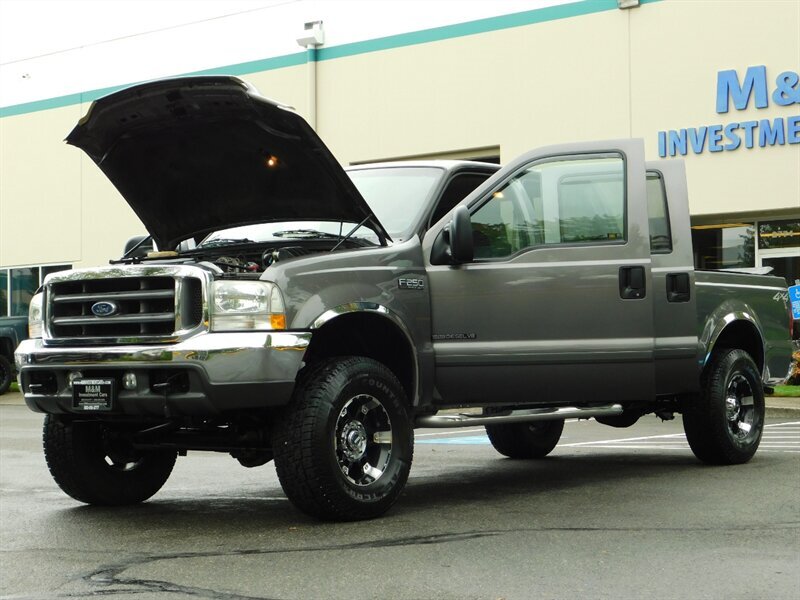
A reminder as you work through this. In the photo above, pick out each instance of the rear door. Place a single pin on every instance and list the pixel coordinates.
(555, 306)
(674, 304)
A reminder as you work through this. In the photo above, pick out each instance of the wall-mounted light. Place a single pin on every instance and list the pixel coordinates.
(627, 3)
(312, 35)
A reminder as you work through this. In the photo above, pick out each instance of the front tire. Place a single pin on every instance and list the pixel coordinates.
(91, 463)
(343, 447)
(725, 421)
(536, 439)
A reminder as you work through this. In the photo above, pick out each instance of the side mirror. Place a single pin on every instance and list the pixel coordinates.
(459, 237)
(140, 245)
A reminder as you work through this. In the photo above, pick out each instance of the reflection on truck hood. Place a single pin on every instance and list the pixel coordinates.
(192, 155)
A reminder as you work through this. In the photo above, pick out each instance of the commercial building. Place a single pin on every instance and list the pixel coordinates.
(715, 84)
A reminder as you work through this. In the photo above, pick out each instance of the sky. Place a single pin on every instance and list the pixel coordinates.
(51, 48)
(32, 28)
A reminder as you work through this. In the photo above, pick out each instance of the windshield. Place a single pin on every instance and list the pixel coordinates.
(397, 195)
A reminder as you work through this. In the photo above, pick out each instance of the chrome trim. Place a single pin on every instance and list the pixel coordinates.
(711, 334)
(352, 307)
(741, 285)
(225, 357)
(178, 272)
(155, 318)
(518, 416)
(150, 294)
(379, 309)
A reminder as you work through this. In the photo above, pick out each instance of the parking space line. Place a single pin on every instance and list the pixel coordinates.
(777, 437)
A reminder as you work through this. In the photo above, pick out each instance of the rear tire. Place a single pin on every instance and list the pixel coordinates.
(6, 374)
(725, 421)
(93, 465)
(525, 440)
(343, 447)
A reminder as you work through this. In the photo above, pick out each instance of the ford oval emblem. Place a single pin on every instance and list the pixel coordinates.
(105, 308)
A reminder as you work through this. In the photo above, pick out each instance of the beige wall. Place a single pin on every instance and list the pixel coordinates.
(40, 188)
(617, 73)
(677, 48)
(517, 88)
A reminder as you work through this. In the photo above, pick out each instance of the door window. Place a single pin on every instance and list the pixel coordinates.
(573, 200)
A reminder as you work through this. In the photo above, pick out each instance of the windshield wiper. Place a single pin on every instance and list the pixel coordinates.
(225, 242)
(308, 234)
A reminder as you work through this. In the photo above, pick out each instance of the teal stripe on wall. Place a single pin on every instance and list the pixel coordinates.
(541, 15)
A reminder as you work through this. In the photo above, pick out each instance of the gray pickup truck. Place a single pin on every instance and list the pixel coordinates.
(290, 310)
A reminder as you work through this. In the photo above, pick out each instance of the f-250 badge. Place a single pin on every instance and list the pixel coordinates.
(405, 283)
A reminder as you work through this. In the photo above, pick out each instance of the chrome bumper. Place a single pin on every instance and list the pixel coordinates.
(218, 371)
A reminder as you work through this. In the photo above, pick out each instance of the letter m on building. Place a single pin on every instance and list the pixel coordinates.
(729, 88)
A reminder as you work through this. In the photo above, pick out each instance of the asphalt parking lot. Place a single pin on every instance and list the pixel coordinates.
(614, 513)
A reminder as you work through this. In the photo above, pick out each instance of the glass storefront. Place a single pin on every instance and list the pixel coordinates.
(774, 243)
(17, 286)
(725, 246)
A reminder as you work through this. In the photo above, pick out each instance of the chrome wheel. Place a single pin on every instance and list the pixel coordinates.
(363, 440)
(740, 407)
(725, 421)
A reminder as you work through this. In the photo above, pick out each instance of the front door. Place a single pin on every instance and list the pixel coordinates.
(556, 307)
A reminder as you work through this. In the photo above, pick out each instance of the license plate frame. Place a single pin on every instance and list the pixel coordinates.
(93, 395)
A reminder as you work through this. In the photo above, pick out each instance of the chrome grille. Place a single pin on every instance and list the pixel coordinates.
(143, 307)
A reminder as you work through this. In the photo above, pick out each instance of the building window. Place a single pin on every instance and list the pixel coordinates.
(778, 234)
(3, 293)
(18, 285)
(724, 246)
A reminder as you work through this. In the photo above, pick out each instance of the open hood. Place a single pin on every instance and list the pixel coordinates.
(192, 155)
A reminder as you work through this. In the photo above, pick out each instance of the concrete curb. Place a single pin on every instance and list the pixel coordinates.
(781, 408)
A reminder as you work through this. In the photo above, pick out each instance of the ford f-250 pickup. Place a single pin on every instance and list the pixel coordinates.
(294, 311)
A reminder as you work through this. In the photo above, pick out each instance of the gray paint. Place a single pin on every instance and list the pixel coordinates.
(544, 326)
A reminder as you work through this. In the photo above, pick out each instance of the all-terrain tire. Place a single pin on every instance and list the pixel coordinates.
(6, 374)
(724, 423)
(525, 440)
(90, 464)
(343, 447)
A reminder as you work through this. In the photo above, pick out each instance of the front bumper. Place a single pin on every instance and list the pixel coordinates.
(207, 374)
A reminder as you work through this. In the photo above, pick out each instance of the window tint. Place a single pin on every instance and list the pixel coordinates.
(658, 216)
(53, 269)
(23, 284)
(457, 189)
(3, 293)
(567, 201)
(724, 246)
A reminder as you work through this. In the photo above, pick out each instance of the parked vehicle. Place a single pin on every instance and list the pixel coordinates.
(295, 312)
(12, 331)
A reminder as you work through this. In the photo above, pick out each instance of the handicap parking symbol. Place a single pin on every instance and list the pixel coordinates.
(794, 300)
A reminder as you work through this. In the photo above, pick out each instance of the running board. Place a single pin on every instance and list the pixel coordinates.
(519, 416)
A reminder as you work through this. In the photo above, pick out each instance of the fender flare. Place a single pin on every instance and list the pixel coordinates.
(384, 312)
(722, 323)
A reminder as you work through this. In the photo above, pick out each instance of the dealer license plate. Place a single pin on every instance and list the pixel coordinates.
(93, 394)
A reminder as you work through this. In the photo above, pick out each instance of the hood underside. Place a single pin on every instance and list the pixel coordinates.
(193, 155)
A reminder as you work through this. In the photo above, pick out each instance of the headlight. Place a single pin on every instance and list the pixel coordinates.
(35, 316)
(246, 306)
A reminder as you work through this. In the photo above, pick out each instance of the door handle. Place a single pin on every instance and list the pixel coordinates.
(632, 284)
(678, 289)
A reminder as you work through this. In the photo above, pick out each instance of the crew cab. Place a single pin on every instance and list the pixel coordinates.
(289, 310)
